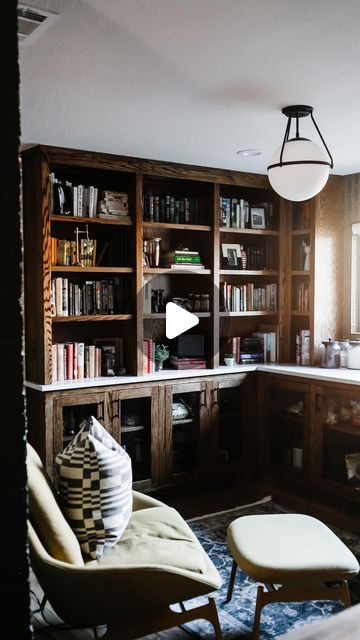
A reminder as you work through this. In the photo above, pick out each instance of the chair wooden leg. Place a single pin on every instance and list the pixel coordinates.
(231, 581)
(259, 605)
(345, 595)
(215, 619)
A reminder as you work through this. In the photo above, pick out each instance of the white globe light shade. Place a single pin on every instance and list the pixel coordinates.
(299, 182)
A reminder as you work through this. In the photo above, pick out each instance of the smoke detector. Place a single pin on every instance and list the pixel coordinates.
(32, 22)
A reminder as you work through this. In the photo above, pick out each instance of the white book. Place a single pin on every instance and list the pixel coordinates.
(58, 296)
(91, 361)
(65, 297)
(60, 362)
(91, 201)
(75, 201)
(80, 199)
(54, 365)
(80, 360)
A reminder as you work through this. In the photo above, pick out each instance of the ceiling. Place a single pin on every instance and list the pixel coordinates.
(193, 81)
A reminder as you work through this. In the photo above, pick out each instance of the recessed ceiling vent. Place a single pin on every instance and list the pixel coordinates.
(32, 22)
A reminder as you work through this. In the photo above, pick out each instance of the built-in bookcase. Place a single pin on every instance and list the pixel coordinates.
(183, 206)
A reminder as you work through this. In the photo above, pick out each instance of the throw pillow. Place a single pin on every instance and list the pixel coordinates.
(95, 488)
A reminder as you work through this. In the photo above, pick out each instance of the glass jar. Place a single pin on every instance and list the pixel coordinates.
(344, 346)
(353, 354)
(191, 301)
(331, 354)
(205, 302)
(197, 302)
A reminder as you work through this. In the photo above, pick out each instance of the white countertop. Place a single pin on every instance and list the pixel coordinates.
(346, 376)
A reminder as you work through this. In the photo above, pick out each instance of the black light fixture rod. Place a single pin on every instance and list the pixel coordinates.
(286, 138)
(323, 141)
(297, 126)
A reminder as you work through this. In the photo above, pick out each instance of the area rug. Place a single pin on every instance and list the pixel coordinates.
(236, 617)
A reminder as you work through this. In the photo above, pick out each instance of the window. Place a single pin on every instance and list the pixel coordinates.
(355, 278)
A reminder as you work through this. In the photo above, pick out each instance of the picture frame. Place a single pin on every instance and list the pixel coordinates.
(232, 254)
(257, 217)
(111, 356)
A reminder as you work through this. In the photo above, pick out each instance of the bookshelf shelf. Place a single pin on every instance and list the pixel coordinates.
(162, 316)
(250, 232)
(300, 273)
(247, 272)
(303, 314)
(83, 220)
(66, 269)
(94, 318)
(234, 314)
(164, 271)
(301, 232)
(184, 227)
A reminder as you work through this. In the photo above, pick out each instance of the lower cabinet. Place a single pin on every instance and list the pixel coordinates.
(337, 442)
(285, 429)
(173, 431)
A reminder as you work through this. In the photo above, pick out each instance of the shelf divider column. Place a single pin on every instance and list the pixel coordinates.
(139, 276)
(216, 278)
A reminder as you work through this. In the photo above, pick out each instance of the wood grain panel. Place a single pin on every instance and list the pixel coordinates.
(138, 359)
(284, 282)
(216, 279)
(328, 262)
(166, 397)
(76, 157)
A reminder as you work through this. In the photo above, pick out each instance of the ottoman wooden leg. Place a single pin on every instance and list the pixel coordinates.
(231, 581)
(258, 607)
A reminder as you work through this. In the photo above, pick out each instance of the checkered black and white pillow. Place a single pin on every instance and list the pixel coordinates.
(95, 487)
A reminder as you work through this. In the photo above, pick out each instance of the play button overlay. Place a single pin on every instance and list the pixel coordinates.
(178, 320)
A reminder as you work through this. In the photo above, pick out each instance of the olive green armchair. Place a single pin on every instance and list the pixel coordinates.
(157, 562)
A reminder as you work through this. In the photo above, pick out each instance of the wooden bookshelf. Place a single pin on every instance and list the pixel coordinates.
(124, 257)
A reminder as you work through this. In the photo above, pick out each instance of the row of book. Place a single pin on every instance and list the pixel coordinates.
(260, 258)
(264, 347)
(247, 297)
(239, 214)
(93, 297)
(169, 208)
(302, 347)
(83, 201)
(68, 253)
(75, 361)
(301, 297)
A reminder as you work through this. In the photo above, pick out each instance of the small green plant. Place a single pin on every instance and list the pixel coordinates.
(161, 353)
(229, 355)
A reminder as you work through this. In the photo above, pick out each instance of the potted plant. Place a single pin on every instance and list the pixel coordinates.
(229, 359)
(161, 354)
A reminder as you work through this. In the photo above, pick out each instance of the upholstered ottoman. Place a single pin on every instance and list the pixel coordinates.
(296, 556)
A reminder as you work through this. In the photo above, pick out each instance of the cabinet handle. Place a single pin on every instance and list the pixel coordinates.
(318, 402)
(215, 399)
(101, 412)
(116, 414)
(203, 400)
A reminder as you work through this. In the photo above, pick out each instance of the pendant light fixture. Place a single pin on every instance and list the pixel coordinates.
(299, 168)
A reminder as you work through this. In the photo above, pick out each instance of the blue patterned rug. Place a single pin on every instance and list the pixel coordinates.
(236, 617)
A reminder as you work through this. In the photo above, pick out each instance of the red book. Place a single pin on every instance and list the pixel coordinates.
(70, 361)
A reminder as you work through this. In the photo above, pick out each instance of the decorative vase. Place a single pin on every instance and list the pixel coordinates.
(158, 365)
(229, 362)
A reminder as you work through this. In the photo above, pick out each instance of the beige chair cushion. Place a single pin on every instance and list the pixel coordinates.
(283, 548)
(46, 516)
(156, 536)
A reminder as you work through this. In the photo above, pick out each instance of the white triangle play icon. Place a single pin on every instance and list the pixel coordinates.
(178, 320)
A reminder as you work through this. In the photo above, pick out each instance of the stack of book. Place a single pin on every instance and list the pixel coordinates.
(113, 205)
(268, 341)
(182, 363)
(93, 297)
(73, 200)
(246, 297)
(169, 208)
(182, 259)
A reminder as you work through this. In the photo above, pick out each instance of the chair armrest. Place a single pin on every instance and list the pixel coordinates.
(142, 501)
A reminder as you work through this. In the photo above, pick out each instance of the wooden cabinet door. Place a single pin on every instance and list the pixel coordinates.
(186, 428)
(337, 441)
(71, 409)
(135, 424)
(285, 438)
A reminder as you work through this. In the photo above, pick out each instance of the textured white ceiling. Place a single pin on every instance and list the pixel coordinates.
(193, 81)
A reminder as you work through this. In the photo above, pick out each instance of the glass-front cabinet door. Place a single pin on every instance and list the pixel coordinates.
(227, 396)
(186, 423)
(285, 408)
(135, 425)
(338, 440)
(71, 410)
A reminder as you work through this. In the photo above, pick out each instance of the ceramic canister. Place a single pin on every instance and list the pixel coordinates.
(353, 354)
